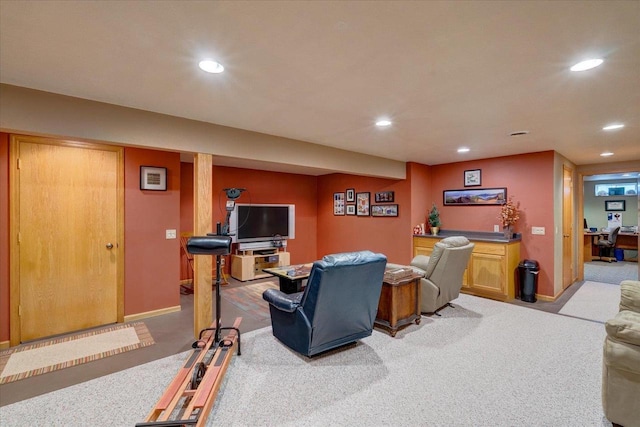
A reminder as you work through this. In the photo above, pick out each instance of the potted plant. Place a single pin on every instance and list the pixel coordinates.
(434, 220)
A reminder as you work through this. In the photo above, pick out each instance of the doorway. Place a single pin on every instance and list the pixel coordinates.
(67, 219)
(592, 201)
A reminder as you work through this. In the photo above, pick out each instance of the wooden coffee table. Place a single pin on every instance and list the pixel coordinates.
(290, 276)
(399, 303)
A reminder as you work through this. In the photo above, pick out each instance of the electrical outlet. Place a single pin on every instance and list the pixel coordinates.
(170, 234)
(496, 228)
(538, 230)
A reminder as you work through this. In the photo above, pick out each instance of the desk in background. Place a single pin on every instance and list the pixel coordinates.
(628, 241)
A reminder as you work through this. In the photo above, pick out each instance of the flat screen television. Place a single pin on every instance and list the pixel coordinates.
(262, 222)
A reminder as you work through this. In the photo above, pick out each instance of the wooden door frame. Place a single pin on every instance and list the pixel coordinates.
(572, 222)
(14, 225)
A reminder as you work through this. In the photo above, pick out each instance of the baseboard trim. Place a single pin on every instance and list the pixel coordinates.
(152, 313)
(547, 298)
(5, 344)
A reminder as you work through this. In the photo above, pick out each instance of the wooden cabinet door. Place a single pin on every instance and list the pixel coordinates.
(487, 273)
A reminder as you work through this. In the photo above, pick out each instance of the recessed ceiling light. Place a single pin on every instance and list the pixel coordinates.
(463, 150)
(383, 123)
(211, 66)
(613, 126)
(607, 154)
(587, 65)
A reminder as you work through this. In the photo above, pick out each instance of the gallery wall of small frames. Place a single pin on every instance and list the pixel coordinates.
(355, 203)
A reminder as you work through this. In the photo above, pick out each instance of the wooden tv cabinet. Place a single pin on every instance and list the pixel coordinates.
(248, 265)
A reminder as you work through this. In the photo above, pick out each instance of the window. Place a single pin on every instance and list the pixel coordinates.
(617, 189)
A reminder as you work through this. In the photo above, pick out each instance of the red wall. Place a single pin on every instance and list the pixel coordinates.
(345, 233)
(261, 187)
(4, 237)
(151, 280)
(419, 177)
(529, 179)
(152, 271)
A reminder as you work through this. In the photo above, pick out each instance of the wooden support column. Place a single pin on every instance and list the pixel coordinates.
(202, 224)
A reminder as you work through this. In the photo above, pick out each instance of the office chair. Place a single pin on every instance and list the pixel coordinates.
(608, 244)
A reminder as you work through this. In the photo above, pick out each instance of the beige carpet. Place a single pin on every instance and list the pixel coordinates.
(34, 359)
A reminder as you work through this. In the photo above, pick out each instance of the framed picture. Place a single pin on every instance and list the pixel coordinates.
(362, 204)
(384, 197)
(477, 197)
(614, 205)
(351, 195)
(384, 210)
(472, 178)
(338, 203)
(351, 209)
(153, 178)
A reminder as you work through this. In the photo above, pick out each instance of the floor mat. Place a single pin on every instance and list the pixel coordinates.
(594, 301)
(27, 360)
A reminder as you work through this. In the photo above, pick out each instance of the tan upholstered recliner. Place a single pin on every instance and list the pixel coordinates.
(621, 360)
(443, 271)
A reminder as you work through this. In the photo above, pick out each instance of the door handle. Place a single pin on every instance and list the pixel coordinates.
(109, 245)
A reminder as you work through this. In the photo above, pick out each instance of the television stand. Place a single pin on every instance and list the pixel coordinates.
(248, 264)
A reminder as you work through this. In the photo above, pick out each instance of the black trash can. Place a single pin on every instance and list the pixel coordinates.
(528, 278)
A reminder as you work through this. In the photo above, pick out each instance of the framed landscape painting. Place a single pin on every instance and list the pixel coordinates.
(479, 196)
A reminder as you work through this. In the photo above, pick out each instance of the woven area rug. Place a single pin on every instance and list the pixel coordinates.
(47, 356)
(594, 301)
(249, 298)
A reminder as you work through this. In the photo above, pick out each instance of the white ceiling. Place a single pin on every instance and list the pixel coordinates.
(449, 74)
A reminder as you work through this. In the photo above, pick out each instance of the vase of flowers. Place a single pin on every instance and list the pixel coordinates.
(508, 217)
(434, 220)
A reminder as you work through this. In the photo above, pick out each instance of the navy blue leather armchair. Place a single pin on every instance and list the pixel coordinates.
(337, 307)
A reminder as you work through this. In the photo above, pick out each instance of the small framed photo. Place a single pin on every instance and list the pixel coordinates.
(362, 204)
(153, 178)
(614, 205)
(384, 197)
(384, 210)
(472, 178)
(351, 209)
(338, 203)
(351, 195)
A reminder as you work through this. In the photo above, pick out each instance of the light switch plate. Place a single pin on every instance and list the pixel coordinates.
(496, 228)
(537, 230)
(170, 234)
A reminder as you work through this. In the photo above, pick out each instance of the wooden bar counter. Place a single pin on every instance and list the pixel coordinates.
(493, 265)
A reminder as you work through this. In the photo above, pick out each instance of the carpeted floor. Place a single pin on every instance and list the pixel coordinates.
(594, 301)
(614, 272)
(483, 363)
(27, 360)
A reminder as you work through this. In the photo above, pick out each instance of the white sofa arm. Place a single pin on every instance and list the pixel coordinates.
(630, 295)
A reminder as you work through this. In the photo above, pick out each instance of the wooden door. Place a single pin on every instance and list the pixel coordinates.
(68, 229)
(567, 228)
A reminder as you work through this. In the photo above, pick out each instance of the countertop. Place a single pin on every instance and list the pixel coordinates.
(478, 236)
